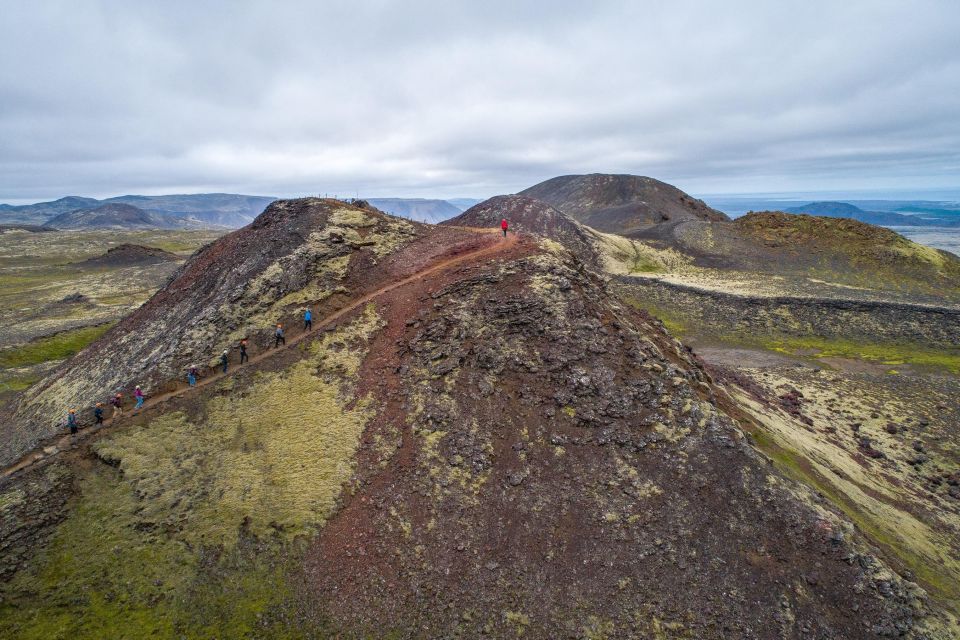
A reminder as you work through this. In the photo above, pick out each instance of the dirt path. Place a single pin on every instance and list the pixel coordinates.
(60, 443)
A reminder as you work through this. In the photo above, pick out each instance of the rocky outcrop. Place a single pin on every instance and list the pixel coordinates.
(30, 509)
(756, 316)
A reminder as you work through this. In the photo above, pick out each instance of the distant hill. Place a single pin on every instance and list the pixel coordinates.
(882, 218)
(216, 209)
(621, 204)
(837, 250)
(419, 209)
(118, 216)
(41, 212)
(210, 210)
(128, 255)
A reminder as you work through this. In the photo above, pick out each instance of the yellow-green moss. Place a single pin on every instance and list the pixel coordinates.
(111, 573)
(884, 352)
(673, 321)
(273, 456)
(196, 533)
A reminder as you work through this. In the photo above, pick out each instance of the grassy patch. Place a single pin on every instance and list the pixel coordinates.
(675, 324)
(17, 383)
(886, 353)
(55, 347)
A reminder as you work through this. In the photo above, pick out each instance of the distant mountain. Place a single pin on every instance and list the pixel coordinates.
(621, 204)
(115, 215)
(463, 203)
(882, 218)
(419, 209)
(198, 210)
(217, 209)
(41, 212)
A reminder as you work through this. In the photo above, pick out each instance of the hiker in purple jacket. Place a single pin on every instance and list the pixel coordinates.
(138, 394)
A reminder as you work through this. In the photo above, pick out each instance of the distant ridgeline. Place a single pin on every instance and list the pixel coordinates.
(192, 211)
(904, 216)
(189, 211)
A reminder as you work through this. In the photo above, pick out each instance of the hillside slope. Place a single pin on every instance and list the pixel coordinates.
(477, 439)
(838, 255)
(621, 204)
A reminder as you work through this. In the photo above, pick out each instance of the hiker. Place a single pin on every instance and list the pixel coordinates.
(72, 422)
(243, 351)
(117, 403)
(307, 320)
(503, 226)
(278, 337)
(138, 394)
(98, 414)
(224, 360)
(192, 376)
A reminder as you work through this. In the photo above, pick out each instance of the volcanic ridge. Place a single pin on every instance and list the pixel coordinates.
(479, 439)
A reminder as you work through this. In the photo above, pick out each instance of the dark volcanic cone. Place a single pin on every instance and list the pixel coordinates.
(621, 204)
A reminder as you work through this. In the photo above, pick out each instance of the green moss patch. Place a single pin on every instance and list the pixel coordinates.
(885, 353)
(55, 347)
(673, 321)
(108, 573)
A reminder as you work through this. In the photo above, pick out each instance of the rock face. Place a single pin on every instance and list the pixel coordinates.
(527, 215)
(115, 215)
(128, 255)
(488, 444)
(621, 204)
(562, 449)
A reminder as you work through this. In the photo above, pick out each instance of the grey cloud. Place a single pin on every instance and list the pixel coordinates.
(441, 98)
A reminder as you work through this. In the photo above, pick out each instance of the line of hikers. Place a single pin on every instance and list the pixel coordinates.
(193, 374)
(279, 338)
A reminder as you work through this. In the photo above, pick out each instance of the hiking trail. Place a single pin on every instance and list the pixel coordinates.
(60, 443)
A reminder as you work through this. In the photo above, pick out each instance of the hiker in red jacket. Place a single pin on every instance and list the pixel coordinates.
(504, 225)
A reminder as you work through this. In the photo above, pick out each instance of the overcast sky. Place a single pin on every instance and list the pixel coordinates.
(455, 99)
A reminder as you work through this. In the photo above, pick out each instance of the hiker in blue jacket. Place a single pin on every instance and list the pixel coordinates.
(98, 413)
(224, 360)
(307, 320)
(72, 422)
